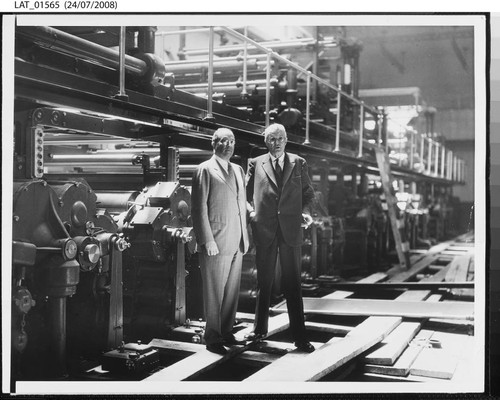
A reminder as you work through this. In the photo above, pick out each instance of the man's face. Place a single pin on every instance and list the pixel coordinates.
(224, 145)
(276, 143)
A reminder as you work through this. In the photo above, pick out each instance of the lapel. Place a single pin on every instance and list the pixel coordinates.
(288, 167)
(218, 171)
(267, 165)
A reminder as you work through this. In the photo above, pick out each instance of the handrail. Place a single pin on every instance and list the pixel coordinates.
(435, 159)
(295, 66)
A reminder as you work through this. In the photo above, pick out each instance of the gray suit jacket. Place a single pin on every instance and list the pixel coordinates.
(217, 208)
(274, 207)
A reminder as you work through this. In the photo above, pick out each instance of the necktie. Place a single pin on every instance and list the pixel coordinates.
(279, 173)
(232, 176)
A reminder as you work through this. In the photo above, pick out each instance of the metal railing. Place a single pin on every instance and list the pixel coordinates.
(424, 154)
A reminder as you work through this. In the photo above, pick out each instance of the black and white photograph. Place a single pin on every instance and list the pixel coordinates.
(243, 203)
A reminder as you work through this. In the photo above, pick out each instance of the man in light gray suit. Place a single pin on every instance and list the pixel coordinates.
(218, 209)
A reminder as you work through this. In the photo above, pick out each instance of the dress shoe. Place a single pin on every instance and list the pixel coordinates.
(305, 347)
(255, 337)
(231, 340)
(216, 348)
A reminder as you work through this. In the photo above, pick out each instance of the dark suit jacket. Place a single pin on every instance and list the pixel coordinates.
(271, 206)
(218, 211)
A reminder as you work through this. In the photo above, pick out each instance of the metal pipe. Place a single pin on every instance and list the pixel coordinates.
(57, 307)
(219, 65)
(121, 92)
(239, 58)
(245, 59)
(210, 71)
(268, 87)
(115, 201)
(184, 31)
(55, 39)
(454, 176)
(337, 127)
(380, 120)
(129, 158)
(278, 45)
(361, 129)
(436, 159)
(292, 64)
(443, 156)
(219, 85)
(429, 157)
(422, 150)
(412, 147)
(229, 91)
(448, 165)
(308, 110)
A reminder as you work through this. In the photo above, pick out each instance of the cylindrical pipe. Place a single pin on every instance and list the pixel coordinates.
(57, 307)
(222, 85)
(277, 45)
(436, 161)
(219, 65)
(429, 157)
(128, 158)
(287, 62)
(122, 62)
(422, 150)
(361, 129)
(58, 40)
(308, 100)
(268, 86)
(210, 71)
(146, 39)
(245, 60)
(116, 201)
(379, 131)
(443, 156)
(455, 168)
(337, 127)
(412, 147)
(448, 165)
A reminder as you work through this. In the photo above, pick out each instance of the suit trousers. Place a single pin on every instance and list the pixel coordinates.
(221, 276)
(290, 260)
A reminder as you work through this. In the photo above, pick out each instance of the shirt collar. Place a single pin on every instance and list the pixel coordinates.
(224, 164)
(280, 158)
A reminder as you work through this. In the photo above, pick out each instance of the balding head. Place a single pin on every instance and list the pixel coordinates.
(223, 143)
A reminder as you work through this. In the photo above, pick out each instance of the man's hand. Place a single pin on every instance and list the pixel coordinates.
(306, 220)
(251, 216)
(211, 248)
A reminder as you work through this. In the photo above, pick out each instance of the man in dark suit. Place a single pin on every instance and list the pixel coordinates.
(218, 209)
(279, 187)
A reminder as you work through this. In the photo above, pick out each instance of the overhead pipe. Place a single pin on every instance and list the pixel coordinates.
(55, 39)
(436, 160)
(275, 45)
(210, 72)
(337, 127)
(443, 156)
(308, 112)
(293, 65)
(219, 65)
(220, 85)
(245, 65)
(361, 129)
(122, 94)
(268, 87)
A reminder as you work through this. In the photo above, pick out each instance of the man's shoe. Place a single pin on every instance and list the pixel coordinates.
(305, 347)
(255, 337)
(216, 348)
(231, 340)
